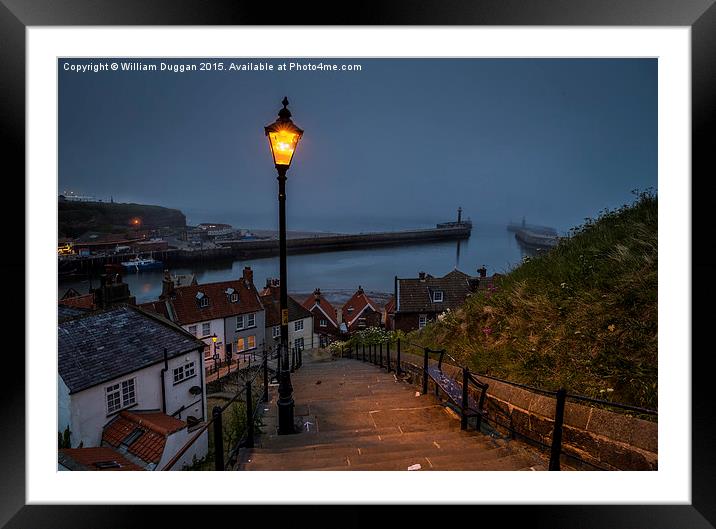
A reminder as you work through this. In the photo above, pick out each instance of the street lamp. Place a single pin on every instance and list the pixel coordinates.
(283, 138)
(216, 354)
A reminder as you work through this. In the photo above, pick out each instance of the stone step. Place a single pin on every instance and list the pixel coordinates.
(389, 460)
(431, 440)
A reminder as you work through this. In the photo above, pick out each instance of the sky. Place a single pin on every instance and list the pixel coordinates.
(400, 143)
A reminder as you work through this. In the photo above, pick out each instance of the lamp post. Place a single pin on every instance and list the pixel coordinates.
(283, 138)
(216, 354)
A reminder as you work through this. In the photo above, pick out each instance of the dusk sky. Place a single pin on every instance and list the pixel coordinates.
(404, 141)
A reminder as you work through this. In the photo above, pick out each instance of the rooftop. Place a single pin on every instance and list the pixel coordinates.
(96, 458)
(142, 435)
(102, 346)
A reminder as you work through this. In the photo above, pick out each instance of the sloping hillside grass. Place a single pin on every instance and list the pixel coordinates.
(582, 316)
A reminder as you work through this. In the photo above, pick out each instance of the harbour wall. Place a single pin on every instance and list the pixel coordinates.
(241, 249)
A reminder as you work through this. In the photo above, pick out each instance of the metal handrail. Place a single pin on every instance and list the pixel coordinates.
(560, 396)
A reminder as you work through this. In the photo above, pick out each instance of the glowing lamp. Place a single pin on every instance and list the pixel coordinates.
(213, 339)
(283, 137)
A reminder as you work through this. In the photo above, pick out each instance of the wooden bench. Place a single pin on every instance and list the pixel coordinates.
(456, 393)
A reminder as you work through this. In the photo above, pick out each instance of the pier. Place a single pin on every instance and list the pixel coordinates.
(250, 249)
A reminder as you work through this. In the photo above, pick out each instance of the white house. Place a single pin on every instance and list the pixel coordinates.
(227, 315)
(127, 359)
(300, 320)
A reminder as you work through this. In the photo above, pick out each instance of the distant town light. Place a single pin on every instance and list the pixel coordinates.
(136, 222)
(283, 137)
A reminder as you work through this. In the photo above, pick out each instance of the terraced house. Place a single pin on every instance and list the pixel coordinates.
(126, 365)
(228, 316)
(300, 320)
(419, 300)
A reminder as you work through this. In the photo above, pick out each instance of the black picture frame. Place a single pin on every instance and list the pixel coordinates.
(699, 15)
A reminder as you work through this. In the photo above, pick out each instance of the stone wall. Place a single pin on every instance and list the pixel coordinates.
(599, 437)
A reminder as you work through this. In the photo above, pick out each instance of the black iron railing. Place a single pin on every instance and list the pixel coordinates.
(253, 391)
(459, 393)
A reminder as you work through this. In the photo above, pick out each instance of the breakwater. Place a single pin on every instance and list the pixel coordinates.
(251, 249)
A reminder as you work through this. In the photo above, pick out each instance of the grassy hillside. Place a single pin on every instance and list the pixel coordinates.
(75, 218)
(582, 316)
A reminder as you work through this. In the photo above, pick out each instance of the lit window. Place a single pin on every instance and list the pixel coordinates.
(205, 329)
(252, 342)
(438, 296)
(241, 345)
(298, 325)
(251, 320)
(323, 323)
(422, 321)
(239, 323)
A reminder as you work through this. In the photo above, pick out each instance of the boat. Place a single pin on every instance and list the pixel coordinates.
(138, 264)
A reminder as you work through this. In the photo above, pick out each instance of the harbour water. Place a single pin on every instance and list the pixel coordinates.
(373, 269)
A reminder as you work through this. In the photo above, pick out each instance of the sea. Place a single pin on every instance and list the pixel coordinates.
(342, 272)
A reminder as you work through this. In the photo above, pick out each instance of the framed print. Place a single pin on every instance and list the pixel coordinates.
(147, 141)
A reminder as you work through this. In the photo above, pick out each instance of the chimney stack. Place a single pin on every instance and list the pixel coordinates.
(421, 276)
(248, 275)
(167, 286)
(317, 295)
(482, 271)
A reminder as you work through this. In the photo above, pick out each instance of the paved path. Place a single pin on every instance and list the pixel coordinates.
(354, 416)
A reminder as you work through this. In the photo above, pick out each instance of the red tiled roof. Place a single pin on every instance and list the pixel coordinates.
(86, 459)
(324, 307)
(358, 302)
(186, 307)
(85, 301)
(390, 306)
(155, 427)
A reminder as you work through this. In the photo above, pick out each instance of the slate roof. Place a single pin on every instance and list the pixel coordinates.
(152, 429)
(102, 346)
(65, 313)
(415, 295)
(86, 459)
(273, 310)
(186, 309)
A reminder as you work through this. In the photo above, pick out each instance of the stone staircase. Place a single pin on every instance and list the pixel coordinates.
(354, 416)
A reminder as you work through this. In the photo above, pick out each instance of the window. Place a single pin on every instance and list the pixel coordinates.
(251, 320)
(252, 342)
(192, 329)
(184, 372)
(298, 325)
(240, 345)
(234, 297)
(205, 329)
(239, 323)
(361, 322)
(276, 331)
(298, 343)
(120, 395)
(438, 296)
(422, 321)
(323, 323)
(204, 302)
